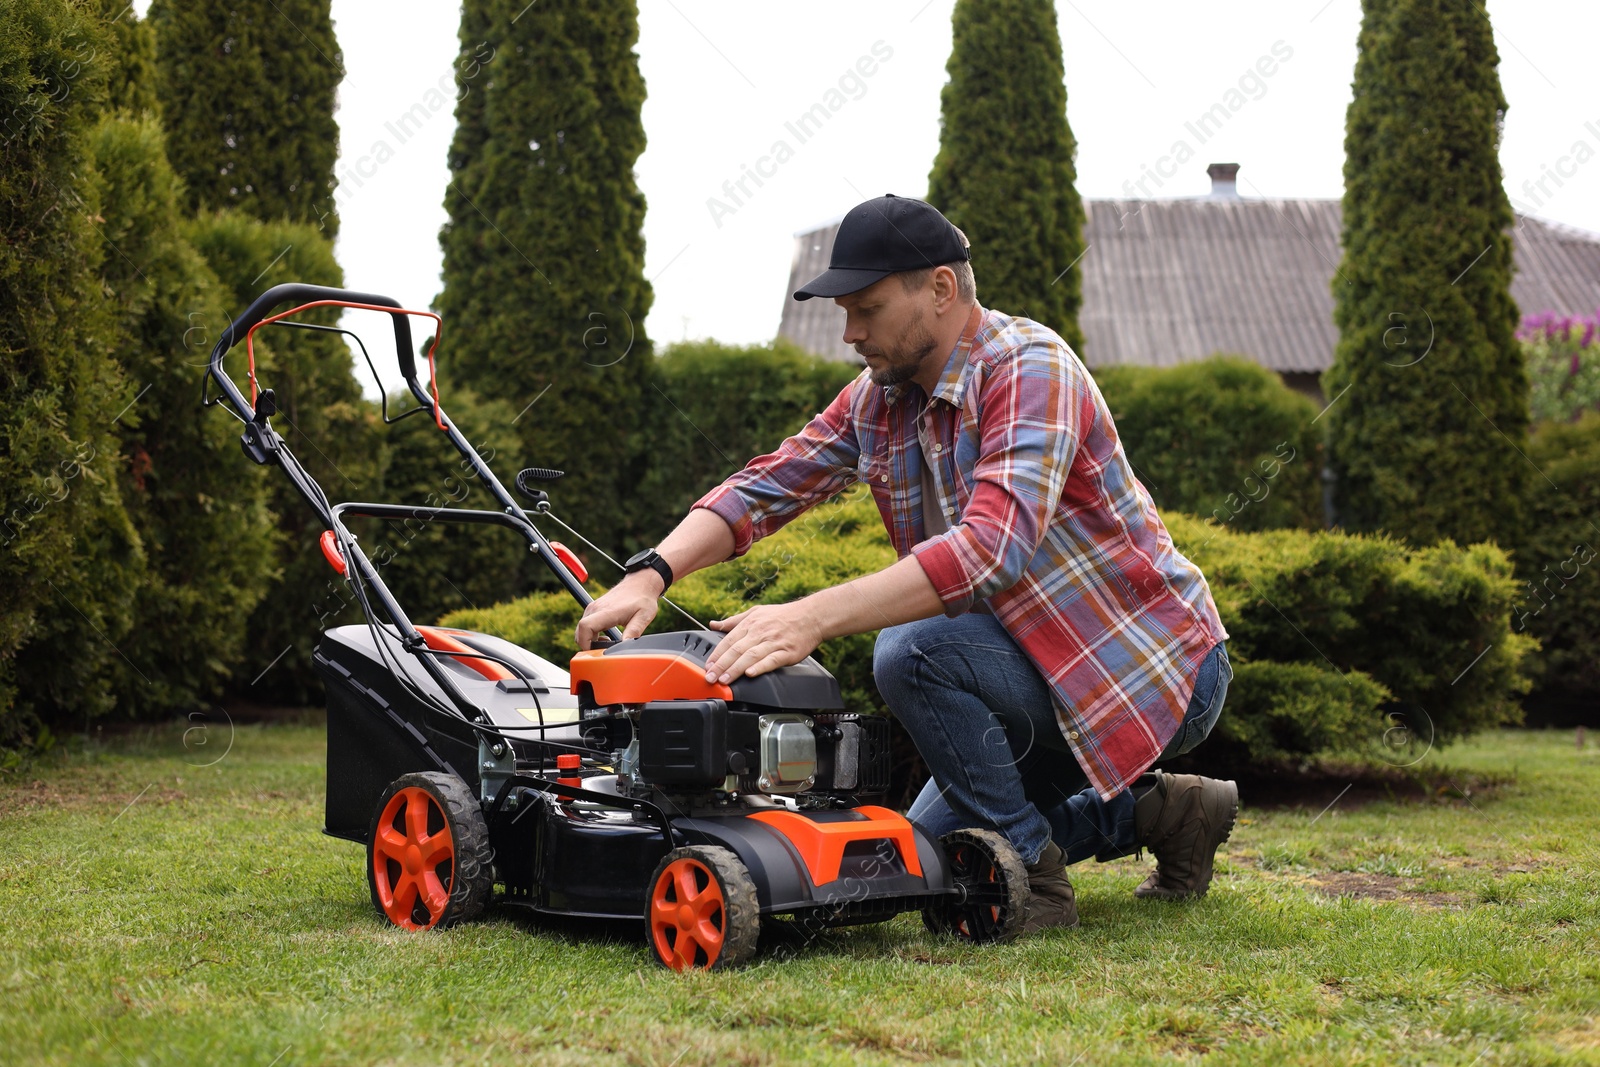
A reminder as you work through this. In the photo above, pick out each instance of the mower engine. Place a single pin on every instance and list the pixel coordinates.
(783, 734)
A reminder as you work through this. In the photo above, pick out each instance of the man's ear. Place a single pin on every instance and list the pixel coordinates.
(945, 289)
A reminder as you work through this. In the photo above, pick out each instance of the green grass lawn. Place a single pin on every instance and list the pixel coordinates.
(165, 912)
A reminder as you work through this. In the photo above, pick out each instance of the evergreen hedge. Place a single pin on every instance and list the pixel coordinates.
(199, 507)
(1431, 627)
(130, 58)
(434, 567)
(714, 407)
(1558, 598)
(1223, 438)
(67, 546)
(332, 428)
(247, 92)
(1336, 639)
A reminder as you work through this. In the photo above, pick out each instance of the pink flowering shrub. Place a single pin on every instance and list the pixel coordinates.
(1563, 361)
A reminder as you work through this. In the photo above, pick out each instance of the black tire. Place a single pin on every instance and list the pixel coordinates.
(421, 889)
(700, 910)
(991, 902)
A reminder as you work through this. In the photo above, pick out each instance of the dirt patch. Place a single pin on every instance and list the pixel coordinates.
(1360, 886)
(79, 792)
(1514, 865)
(1383, 887)
(1581, 1037)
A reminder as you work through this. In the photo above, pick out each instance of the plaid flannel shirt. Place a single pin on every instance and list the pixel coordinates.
(1048, 525)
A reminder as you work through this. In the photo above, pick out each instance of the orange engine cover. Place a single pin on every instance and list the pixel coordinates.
(643, 677)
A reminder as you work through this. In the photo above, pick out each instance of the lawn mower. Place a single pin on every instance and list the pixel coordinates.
(621, 786)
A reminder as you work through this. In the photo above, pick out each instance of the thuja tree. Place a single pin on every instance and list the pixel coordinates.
(200, 509)
(1429, 400)
(247, 92)
(332, 428)
(544, 295)
(69, 557)
(1005, 169)
(130, 57)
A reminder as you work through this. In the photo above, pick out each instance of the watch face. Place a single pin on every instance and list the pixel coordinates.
(639, 559)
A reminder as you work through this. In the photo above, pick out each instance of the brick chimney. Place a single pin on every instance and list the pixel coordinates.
(1224, 181)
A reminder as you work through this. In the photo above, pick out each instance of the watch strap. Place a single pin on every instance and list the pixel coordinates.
(655, 562)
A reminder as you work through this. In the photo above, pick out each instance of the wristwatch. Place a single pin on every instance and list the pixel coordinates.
(652, 559)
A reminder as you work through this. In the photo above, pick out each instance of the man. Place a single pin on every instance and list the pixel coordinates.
(1041, 639)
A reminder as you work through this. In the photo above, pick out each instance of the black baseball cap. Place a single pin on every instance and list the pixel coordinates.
(882, 237)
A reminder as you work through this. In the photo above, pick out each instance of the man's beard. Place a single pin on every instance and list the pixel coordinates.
(907, 355)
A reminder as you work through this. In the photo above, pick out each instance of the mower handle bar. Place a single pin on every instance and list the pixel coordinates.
(302, 293)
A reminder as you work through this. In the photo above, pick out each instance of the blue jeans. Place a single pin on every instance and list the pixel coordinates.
(981, 716)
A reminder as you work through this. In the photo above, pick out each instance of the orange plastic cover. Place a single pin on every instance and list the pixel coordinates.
(642, 677)
(330, 551)
(444, 641)
(571, 560)
(821, 844)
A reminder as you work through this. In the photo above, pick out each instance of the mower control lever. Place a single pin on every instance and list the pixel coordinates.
(260, 441)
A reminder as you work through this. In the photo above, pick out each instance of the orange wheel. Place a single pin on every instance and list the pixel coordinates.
(702, 912)
(428, 853)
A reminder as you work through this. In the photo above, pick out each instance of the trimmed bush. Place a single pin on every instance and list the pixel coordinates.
(716, 406)
(1414, 620)
(1332, 634)
(1287, 711)
(1559, 594)
(1222, 438)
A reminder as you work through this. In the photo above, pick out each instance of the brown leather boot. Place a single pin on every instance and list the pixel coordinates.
(1182, 820)
(1052, 902)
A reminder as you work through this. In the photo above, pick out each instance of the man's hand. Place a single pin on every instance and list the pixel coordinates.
(630, 604)
(763, 639)
(777, 635)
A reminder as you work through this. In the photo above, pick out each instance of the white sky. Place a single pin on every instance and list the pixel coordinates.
(723, 77)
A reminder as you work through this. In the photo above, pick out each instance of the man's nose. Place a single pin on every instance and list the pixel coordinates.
(854, 333)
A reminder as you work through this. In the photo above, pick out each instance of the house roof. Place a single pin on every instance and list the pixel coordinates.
(1172, 281)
